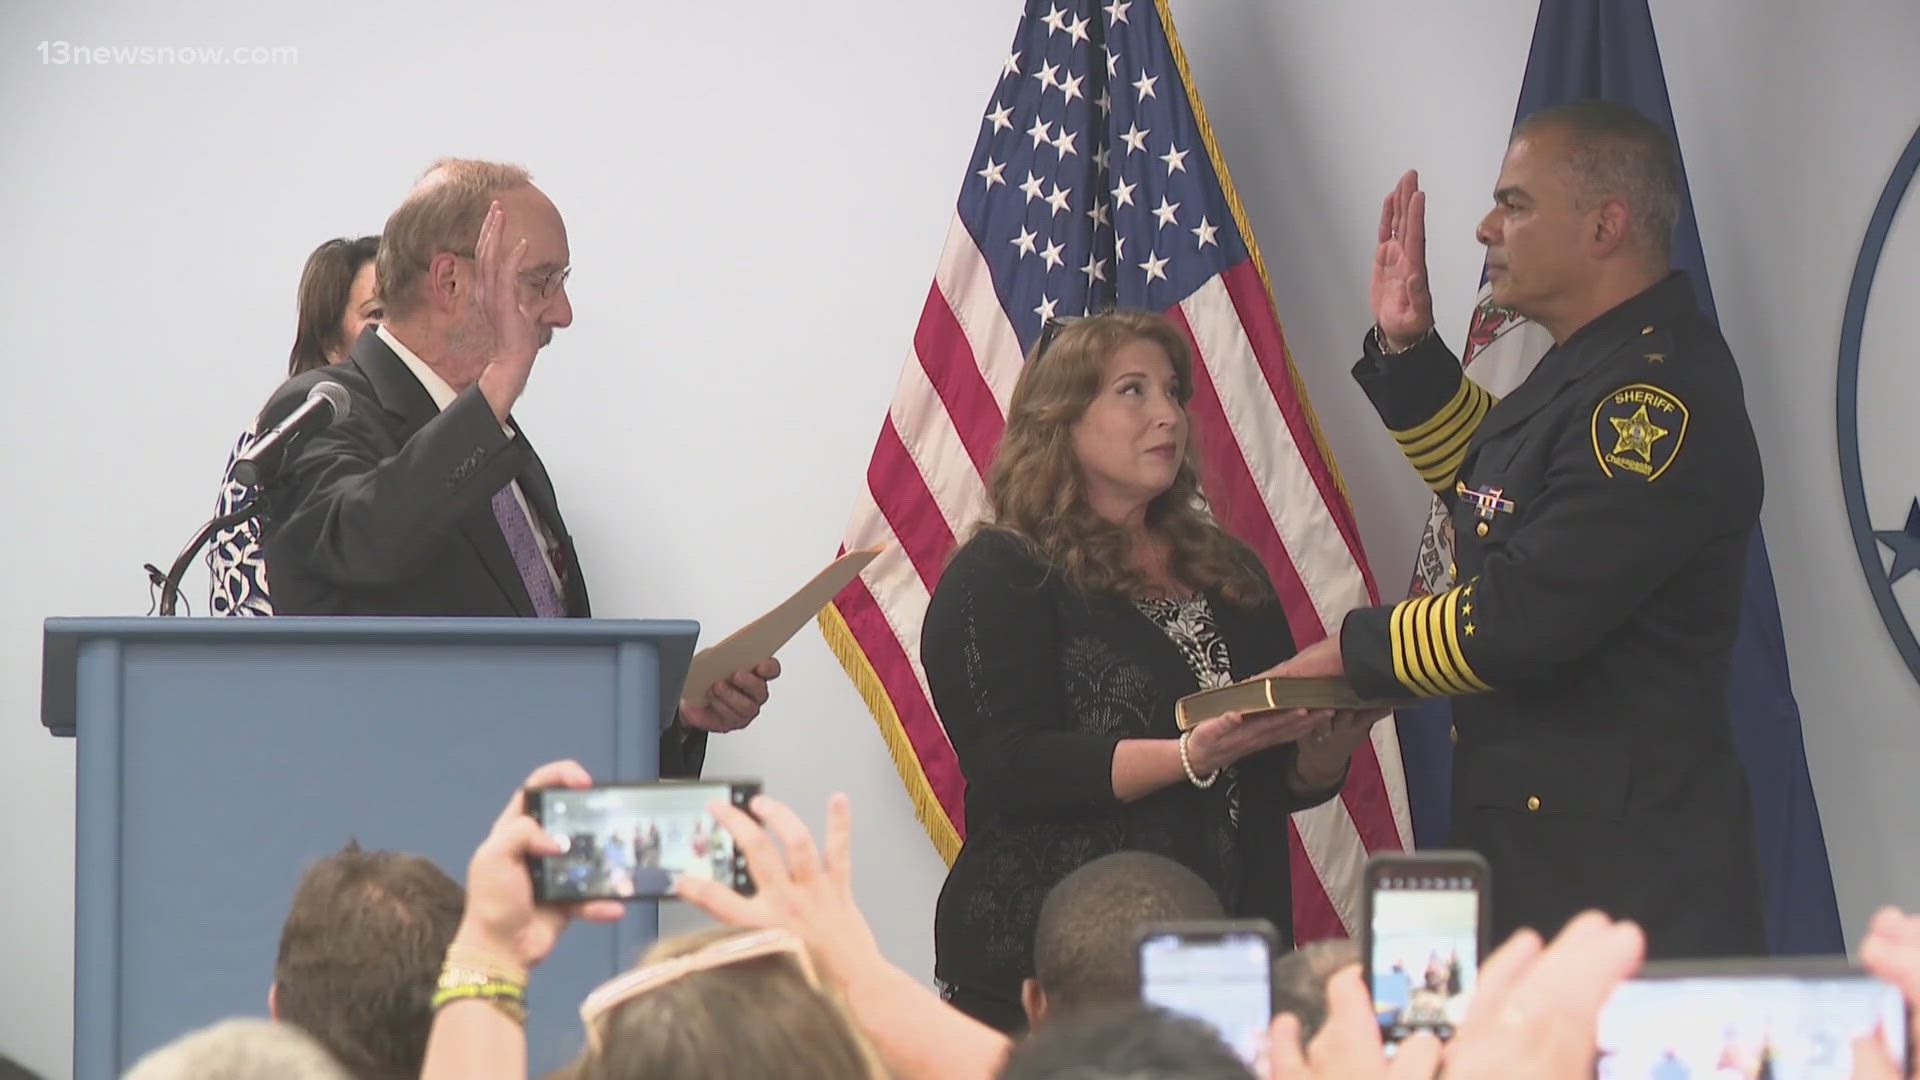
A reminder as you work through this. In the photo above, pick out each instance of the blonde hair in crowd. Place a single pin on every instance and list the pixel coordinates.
(240, 1049)
(743, 1020)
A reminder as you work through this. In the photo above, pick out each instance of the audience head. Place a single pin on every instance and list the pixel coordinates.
(1098, 446)
(725, 1005)
(1300, 980)
(243, 1049)
(1586, 201)
(428, 271)
(360, 954)
(337, 300)
(1085, 946)
(1124, 1042)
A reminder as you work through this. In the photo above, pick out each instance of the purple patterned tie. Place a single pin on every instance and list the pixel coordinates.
(526, 554)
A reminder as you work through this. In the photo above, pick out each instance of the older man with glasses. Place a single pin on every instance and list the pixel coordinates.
(425, 498)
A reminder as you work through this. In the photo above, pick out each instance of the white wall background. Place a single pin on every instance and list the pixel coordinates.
(756, 194)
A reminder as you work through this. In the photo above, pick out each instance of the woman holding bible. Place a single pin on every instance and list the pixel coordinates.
(1098, 592)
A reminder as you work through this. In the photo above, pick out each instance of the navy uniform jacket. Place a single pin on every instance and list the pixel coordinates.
(1602, 514)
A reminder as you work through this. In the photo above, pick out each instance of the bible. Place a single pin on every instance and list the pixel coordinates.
(1275, 692)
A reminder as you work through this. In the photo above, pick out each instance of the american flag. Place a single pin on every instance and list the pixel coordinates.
(1095, 182)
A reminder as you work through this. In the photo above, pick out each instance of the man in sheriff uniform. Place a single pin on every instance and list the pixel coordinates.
(1602, 513)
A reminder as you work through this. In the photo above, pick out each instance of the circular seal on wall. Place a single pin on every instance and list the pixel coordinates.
(1879, 399)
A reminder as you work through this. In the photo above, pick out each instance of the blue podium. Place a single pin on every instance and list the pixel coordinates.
(219, 757)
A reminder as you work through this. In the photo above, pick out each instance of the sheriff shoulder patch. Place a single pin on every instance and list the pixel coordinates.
(1638, 430)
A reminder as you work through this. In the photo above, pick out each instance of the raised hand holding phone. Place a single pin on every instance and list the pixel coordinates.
(634, 841)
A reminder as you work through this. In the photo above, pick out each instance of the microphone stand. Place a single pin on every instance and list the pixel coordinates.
(170, 584)
(325, 400)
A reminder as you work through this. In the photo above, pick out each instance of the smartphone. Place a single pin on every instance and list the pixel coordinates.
(633, 841)
(1219, 972)
(1423, 931)
(1785, 1018)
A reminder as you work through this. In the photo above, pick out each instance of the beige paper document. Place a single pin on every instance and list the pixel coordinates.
(764, 636)
(1275, 692)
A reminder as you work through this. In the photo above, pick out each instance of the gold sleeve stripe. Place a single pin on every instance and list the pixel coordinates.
(1404, 632)
(1436, 448)
(1456, 656)
(1457, 442)
(1447, 674)
(1425, 636)
(1465, 401)
(1397, 644)
(1437, 470)
(1423, 628)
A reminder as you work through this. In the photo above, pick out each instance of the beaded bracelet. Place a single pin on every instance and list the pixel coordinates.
(1187, 764)
(461, 984)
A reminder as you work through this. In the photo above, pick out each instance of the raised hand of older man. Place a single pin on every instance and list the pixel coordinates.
(510, 329)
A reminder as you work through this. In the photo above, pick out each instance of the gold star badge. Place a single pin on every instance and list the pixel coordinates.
(1638, 434)
(1648, 425)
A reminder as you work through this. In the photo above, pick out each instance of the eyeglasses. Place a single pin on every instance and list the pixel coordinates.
(551, 282)
(546, 284)
(628, 985)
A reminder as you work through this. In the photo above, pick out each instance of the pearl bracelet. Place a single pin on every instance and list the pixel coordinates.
(1187, 764)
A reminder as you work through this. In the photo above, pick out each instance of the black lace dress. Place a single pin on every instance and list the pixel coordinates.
(1035, 684)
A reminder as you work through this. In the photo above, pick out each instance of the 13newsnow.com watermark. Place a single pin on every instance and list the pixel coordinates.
(69, 54)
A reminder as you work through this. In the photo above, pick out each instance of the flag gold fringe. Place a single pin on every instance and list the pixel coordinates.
(926, 806)
(1246, 233)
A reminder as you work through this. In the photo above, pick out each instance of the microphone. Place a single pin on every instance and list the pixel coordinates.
(327, 404)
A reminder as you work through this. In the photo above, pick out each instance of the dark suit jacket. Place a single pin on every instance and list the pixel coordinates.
(390, 510)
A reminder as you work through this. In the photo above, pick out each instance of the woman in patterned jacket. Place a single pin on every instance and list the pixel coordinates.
(1098, 591)
(337, 300)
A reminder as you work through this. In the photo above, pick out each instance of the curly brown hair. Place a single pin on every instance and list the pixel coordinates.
(1036, 489)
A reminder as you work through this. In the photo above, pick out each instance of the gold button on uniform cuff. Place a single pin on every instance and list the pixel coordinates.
(1533, 803)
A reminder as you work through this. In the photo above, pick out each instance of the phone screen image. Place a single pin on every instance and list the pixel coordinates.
(1425, 945)
(633, 842)
(1779, 1026)
(1223, 979)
